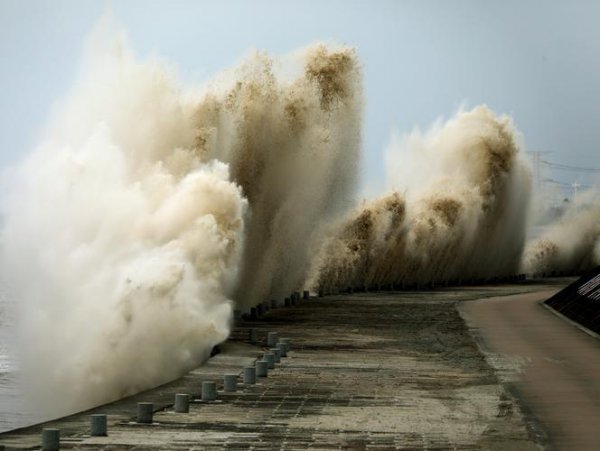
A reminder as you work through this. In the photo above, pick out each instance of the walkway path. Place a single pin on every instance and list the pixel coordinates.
(552, 366)
(366, 371)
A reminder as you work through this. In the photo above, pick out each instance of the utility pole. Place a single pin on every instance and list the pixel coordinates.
(537, 173)
(575, 187)
(537, 167)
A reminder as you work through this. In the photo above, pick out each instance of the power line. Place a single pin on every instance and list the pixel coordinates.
(564, 167)
(566, 185)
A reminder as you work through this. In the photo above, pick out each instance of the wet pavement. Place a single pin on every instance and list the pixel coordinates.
(391, 370)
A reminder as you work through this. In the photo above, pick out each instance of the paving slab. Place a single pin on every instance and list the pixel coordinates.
(366, 371)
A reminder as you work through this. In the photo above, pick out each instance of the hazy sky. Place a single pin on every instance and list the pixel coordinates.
(537, 60)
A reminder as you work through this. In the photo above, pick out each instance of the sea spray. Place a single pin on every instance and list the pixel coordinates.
(120, 263)
(293, 145)
(458, 211)
(148, 210)
(571, 245)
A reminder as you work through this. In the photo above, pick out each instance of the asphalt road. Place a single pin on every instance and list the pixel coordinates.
(553, 367)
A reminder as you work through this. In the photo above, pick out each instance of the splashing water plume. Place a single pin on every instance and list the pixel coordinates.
(293, 148)
(462, 213)
(120, 264)
(572, 244)
(125, 233)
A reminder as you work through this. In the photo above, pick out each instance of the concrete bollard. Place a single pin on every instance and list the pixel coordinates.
(305, 295)
(274, 304)
(98, 425)
(269, 357)
(144, 412)
(230, 382)
(262, 368)
(209, 391)
(282, 349)
(287, 302)
(252, 335)
(277, 353)
(287, 343)
(182, 403)
(50, 439)
(249, 375)
(271, 339)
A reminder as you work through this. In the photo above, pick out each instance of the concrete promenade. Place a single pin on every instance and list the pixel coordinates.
(397, 370)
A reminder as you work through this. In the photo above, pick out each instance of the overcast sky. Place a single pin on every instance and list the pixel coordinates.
(537, 60)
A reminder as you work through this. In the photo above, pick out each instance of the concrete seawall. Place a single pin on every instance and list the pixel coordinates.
(370, 370)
